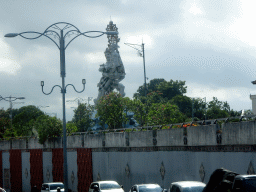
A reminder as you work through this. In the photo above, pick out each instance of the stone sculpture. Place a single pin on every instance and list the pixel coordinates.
(113, 70)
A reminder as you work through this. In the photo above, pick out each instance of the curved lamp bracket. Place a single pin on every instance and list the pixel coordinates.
(83, 82)
(78, 33)
(53, 32)
(42, 85)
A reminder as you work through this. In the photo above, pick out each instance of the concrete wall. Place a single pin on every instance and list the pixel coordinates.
(240, 133)
(93, 141)
(141, 139)
(138, 156)
(25, 158)
(75, 141)
(72, 170)
(115, 139)
(201, 135)
(33, 143)
(170, 137)
(19, 144)
(144, 167)
(5, 145)
(47, 167)
(6, 165)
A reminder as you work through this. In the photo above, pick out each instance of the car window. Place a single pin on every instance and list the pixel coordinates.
(249, 184)
(148, 189)
(44, 187)
(173, 188)
(107, 186)
(193, 189)
(55, 186)
(93, 185)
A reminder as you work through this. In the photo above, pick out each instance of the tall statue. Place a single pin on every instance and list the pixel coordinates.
(113, 70)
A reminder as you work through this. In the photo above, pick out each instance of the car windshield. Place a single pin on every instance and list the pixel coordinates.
(250, 184)
(150, 188)
(193, 189)
(107, 186)
(55, 186)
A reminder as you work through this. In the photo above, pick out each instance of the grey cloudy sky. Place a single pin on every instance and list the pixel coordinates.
(209, 44)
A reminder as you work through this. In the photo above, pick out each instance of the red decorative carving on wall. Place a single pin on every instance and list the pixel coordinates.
(36, 168)
(84, 169)
(57, 165)
(15, 170)
(1, 168)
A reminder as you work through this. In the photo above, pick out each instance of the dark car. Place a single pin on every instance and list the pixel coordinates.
(146, 188)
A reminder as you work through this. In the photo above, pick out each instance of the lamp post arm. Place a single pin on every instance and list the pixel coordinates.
(51, 90)
(84, 34)
(40, 35)
(10, 99)
(56, 27)
(75, 88)
(132, 46)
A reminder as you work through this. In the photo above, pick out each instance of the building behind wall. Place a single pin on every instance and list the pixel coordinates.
(253, 98)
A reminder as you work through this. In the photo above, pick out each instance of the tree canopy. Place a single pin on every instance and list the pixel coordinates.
(82, 117)
(24, 116)
(47, 127)
(111, 110)
(169, 89)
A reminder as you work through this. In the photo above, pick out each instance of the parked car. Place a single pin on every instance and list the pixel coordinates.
(146, 188)
(225, 180)
(187, 186)
(101, 186)
(52, 187)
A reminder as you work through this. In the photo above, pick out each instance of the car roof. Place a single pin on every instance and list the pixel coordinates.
(52, 183)
(189, 183)
(105, 182)
(149, 184)
(245, 176)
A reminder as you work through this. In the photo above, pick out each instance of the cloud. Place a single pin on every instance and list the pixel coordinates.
(8, 62)
(237, 97)
(209, 44)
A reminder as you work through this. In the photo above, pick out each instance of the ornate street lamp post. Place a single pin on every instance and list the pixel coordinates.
(10, 100)
(62, 34)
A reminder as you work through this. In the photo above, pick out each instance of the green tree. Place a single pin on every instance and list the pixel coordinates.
(151, 86)
(111, 110)
(169, 89)
(24, 116)
(155, 97)
(139, 110)
(162, 114)
(217, 109)
(184, 103)
(71, 128)
(82, 117)
(172, 88)
(215, 113)
(199, 108)
(47, 127)
(234, 113)
(6, 131)
(4, 125)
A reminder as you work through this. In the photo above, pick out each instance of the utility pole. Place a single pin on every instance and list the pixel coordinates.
(141, 52)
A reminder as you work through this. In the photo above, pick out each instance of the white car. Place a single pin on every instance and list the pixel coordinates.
(146, 188)
(187, 186)
(52, 187)
(105, 186)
